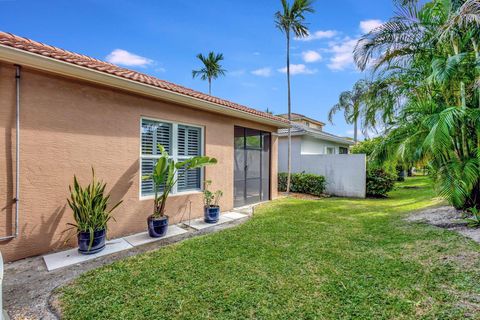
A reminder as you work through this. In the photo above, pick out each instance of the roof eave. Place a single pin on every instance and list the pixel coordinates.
(297, 133)
(321, 137)
(39, 62)
(333, 139)
(320, 123)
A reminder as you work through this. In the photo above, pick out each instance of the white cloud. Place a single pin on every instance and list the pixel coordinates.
(311, 56)
(368, 25)
(298, 69)
(340, 50)
(342, 54)
(263, 72)
(320, 34)
(125, 58)
(256, 53)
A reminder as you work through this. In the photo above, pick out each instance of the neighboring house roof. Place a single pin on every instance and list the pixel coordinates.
(300, 130)
(298, 116)
(8, 41)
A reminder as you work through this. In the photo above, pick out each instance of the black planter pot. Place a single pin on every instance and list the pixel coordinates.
(212, 214)
(98, 243)
(157, 227)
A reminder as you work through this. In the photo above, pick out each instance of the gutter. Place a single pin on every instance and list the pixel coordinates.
(39, 62)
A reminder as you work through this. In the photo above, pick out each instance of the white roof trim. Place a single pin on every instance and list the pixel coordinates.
(320, 137)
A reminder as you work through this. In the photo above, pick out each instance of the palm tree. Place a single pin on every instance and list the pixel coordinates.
(428, 58)
(212, 69)
(292, 19)
(350, 102)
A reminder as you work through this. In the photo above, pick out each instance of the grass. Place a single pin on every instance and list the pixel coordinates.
(297, 259)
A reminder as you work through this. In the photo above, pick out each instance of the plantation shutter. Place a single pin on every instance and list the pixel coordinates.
(147, 169)
(189, 141)
(189, 180)
(189, 145)
(153, 134)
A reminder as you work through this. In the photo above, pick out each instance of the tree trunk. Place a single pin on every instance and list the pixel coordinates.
(209, 86)
(355, 133)
(289, 161)
(473, 201)
(410, 171)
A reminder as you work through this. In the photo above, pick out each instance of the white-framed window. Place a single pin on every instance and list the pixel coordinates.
(330, 150)
(181, 141)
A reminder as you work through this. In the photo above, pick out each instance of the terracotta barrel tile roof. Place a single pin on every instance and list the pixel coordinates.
(10, 40)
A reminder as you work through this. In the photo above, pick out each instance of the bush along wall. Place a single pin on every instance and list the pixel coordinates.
(302, 183)
(379, 182)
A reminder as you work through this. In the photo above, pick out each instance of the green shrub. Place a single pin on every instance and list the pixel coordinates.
(302, 183)
(379, 182)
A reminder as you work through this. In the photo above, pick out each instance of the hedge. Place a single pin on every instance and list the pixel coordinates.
(302, 183)
(379, 182)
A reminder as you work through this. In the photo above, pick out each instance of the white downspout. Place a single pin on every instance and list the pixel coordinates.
(17, 154)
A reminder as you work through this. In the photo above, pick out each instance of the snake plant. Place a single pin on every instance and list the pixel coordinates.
(90, 206)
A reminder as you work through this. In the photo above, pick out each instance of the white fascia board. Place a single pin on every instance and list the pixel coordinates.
(332, 139)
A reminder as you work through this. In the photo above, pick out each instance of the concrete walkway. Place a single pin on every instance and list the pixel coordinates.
(28, 285)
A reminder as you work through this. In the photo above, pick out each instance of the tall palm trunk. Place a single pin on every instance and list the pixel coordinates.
(355, 129)
(475, 195)
(209, 86)
(289, 152)
(477, 57)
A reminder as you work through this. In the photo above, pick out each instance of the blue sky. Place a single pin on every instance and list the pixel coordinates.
(162, 38)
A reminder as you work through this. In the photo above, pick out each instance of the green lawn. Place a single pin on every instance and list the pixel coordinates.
(296, 259)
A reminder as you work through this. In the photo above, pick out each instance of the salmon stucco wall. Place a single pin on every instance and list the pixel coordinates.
(68, 126)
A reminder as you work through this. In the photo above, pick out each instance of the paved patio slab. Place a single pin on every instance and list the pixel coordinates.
(234, 215)
(143, 238)
(199, 224)
(69, 257)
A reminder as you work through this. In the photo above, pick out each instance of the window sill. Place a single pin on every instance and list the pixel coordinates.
(184, 193)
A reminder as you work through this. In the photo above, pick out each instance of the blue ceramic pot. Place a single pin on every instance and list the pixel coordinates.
(98, 243)
(157, 227)
(212, 214)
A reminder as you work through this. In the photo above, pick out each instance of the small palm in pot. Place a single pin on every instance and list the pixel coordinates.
(211, 199)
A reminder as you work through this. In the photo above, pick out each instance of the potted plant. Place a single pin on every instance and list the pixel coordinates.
(165, 175)
(89, 205)
(211, 208)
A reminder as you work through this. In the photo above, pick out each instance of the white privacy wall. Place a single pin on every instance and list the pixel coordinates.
(345, 174)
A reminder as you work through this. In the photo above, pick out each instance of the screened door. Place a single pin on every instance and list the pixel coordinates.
(252, 166)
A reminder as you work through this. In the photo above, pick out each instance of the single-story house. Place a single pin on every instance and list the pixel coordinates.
(308, 137)
(62, 113)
